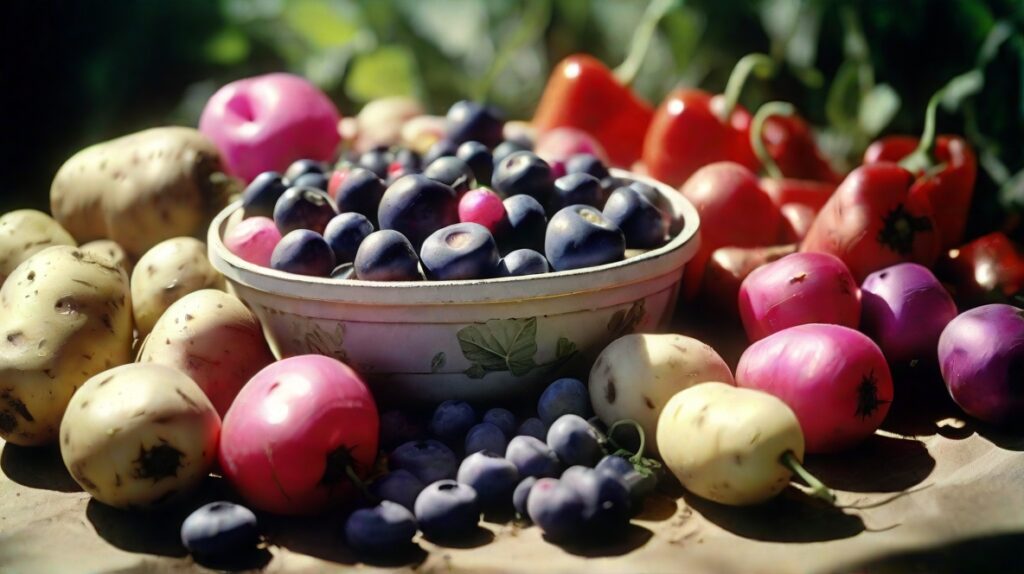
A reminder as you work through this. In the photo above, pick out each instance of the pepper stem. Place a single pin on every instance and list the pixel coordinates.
(760, 64)
(757, 127)
(629, 68)
(951, 95)
(818, 489)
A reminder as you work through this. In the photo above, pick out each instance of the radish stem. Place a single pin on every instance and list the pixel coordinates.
(818, 489)
(756, 129)
(760, 64)
(627, 71)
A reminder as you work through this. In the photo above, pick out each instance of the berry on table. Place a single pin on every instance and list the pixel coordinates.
(385, 528)
(428, 460)
(220, 530)
(562, 397)
(447, 509)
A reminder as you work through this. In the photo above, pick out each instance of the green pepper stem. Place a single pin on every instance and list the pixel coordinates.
(639, 430)
(760, 64)
(757, 128)
(629, 68)
(818, 489)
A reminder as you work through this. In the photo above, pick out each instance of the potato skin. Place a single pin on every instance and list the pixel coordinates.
(139, 189)
(25, 232)
(724, 443)
(636, 375)
(166, 273)
(213, 338)
(139, 435)
(111, 249)
(65, 315)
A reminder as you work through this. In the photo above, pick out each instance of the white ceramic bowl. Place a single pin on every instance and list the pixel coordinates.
(482, 340)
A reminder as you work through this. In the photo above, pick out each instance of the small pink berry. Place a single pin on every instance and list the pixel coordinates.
(253, 240)
(485, 207)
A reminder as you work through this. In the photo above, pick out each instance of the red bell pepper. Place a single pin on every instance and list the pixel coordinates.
(949, 187)
(791, 145)
(989, 269)
(874, 221)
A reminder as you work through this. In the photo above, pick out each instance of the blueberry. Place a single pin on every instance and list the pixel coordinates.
(460, 251)
(387, 256)
(640, 221)
(452, 420)
(486, 436)
(427, 460)
(586, 163)
(507, 148)
(447, 509)
(576, 189)
(303, 208)
(615, 464)
(491, 476)
(399, 486)
(345, 233)
(524, 172)
(533, 427)
(376, 160)
(563, 397)
(521, 494)
(638, 485)
(220, 529)
(312, 179)
(397, 427)
(580, 236)
(556, 509)
(262, 193)
(441, 148)
(452, 172)
(606, 506)
(407, 160)
(503, 419)
(301, 167)
(645, 190)
(532, 457)
(575, 441)
(478, 157)
(523, 262)
(527, 224)
(385, 528)
(360, 192)
(303, 252)
(417, 206)
(472, 121)
(344, 271)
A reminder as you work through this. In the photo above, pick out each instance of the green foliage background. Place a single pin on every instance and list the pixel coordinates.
(75, 73)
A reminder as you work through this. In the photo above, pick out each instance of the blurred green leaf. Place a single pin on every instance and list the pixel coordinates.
(842, 106)
(230, 46)
(325, 24)
(960, 88)
(877, 109)
(387, 71)
(683, 28)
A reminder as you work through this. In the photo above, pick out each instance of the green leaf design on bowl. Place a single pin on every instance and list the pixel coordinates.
(500, 345)
(438, 362)
(624, 321)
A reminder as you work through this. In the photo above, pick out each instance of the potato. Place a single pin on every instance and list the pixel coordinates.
(141, 188)
(636, 375)
(65, 315)
(111, 249)
(25, 232)
(725, 444)
(214, 339)
(166, 273)
(139, 435)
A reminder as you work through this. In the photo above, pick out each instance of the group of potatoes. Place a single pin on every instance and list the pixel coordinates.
(131, 377)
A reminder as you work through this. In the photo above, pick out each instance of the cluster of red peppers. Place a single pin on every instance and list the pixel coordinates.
(908, 201)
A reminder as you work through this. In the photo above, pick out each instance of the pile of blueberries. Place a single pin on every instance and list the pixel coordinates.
(552, 469)
(474, 206)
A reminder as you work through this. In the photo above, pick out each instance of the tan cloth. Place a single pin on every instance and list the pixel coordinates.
(961, 510)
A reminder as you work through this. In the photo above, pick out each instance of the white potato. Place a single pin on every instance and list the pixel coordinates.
(213, 338)
(139, 435)
(166, 273)
(636, 375)
(25, 232)
(725, 443)
(65, 315)
(111, 249)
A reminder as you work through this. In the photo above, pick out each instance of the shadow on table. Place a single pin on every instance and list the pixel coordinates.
(879, 464)
(37, 467)
(322, 537)
(997, 553)
(790, 517)
(140, 532)
(623, 543)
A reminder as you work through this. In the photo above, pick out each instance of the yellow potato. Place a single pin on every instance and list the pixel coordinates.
(636, 375)
(25, 232)
(725, 443)
(111, 249)
(166, 273)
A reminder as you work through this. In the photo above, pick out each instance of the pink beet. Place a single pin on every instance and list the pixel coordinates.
(798, 289)
(558, 145)
(835, 379)
(485, 207)
(253, 239)
(266, 122)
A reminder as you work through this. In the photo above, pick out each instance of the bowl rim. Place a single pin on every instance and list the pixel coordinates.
(648, 265)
